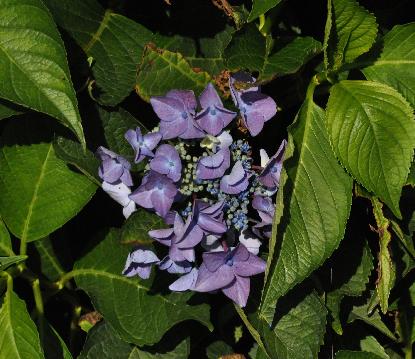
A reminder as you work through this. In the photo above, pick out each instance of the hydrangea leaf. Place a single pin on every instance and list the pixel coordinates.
(9, 109)
(250, 50)
(126, 303)
(218, 349)
(354, 286)
(19, 338)
(371, 345)
(163, 70)
(396, 64)
(84, 160)
(49, 263)
(351, 354)
(33, 58)
(103, 343)
(136, 227)
(5, 242)
(6, 262)
(350, 32)
(212, 52)
(298, 330)
(374, 319)
(260, 7)
(52, 343)
(315, 211)
(114, 42)
(372, 132)
(386, 266)
(39, 192)
(116, 124)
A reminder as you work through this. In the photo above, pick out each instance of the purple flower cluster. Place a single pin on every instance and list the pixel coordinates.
(203, 183)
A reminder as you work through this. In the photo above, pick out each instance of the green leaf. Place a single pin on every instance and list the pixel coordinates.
(49, 263)
(250, 50)
(372, 131)
(8, 109)
(386, 267)
(355, 285)
(126, 303)
(317, 200)
(163, 70)
(116, 124)
(5, 242)
(349, 354)
(19, 338)
(103, 343)
(212, 52)
(298, 331)
(411, 176)
(396, 64)
(39, 192)
(136, 227)
(33, 67)
(6, 262)
(53, 345)
(260, 7)
(350, 32)
(73, 154)
(370, 344)
(114, 42)
(374, 319)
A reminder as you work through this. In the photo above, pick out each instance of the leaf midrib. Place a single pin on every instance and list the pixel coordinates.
(35, 195)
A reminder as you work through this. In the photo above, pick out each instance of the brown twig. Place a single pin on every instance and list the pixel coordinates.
(224, 6)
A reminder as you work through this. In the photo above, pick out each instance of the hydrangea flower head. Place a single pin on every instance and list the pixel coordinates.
(201, 178)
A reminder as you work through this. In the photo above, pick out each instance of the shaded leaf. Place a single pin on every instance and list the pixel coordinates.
(32, 53)
(386, 267)
(370, 344)
(136, 227)
(218, 349)
(126, 303)
(53, 345)
(349, 354)
(298, 330)
(8, 109)
(6, 262)
(396, 65)
(39, 192)
(317, 199)
(372, 131)
(260, 7)
(114, 42)
(353, 287)
(374, 319)
(5, 242)
(19, 338)
(163, 70)
(350, 32)
(49, 263)
(250, 50)
(73, 154)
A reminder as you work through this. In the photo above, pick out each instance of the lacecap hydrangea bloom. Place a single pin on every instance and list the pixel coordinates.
(200, 178)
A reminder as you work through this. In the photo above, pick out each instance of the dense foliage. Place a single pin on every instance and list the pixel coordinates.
(261, 154)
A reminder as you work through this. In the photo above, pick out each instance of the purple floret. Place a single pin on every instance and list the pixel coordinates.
(139, 263)
(142, 145)
(176, 111)
(270, 175)
(114, 168)
(236, 181)
(156, 192)
(185, 282)
(167, 161)
(256, 108)
(214, 117)
(230, 272)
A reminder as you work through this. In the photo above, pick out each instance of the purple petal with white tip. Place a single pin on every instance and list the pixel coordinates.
(236, 181)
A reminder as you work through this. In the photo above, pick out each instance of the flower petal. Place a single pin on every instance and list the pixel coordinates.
(208, 281)
(253, 265)
(185, 282)
(238, 290)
